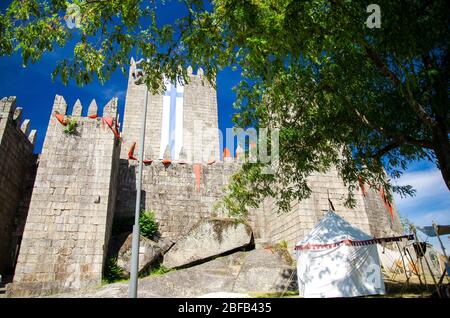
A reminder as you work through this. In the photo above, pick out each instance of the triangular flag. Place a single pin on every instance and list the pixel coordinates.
(61, 119)
(198, 171)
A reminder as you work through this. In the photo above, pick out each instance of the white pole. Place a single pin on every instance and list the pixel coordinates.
(135, 241)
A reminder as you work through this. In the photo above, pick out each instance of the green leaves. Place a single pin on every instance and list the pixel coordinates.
(335, 96)
(365, 101)
(147, 224)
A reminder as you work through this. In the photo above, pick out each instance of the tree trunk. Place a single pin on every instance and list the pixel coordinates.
(441, 149)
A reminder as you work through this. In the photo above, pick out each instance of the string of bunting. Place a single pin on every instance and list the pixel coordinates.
(109, 121)
(354, 243)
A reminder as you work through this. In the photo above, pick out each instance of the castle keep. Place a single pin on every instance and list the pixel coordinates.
(56, 210)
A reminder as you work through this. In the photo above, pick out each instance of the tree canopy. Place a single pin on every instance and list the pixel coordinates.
(364, 100)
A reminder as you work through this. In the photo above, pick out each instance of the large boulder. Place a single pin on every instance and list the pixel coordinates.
(209, 238)
(266, 270)
(150, 251)
(238, 273)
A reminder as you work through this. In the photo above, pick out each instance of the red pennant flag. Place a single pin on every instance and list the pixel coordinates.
(132, 157)
(197, 170)
(387, 204)
(166, 162)
(361, 185)
(131, 152)
(109, 121)
(226, 153)
(61, 119)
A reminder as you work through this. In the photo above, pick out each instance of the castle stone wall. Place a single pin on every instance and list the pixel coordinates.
(70, 215)
(16, 163)
(172, 193)
(200, 120)
(201, 126)
(369, 214)
(131, 127)
(381, 222)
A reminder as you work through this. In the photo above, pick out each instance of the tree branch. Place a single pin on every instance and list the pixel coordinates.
(396, 137)
(380, 153)
(418, 109)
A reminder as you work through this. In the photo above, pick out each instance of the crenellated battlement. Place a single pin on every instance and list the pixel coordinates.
(199, 76)
(60, 107)
(80, 123)
(17, 163)
(11, 115)
(184, 116)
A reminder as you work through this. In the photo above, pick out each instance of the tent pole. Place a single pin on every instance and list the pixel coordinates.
(416, 269)
(413, 229)
(442, 276)
(404, 265)
(436, 229)
(440, 242)
(428, 265)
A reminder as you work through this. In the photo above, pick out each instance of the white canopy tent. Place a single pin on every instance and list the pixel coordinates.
(337, 259)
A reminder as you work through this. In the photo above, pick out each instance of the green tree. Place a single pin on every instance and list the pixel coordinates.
(364, 100)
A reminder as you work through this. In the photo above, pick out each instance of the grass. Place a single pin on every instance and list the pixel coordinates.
(414, 289)
(156, 271)
(394, 289)
(287, 294)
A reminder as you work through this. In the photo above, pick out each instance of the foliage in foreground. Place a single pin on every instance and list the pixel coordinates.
(112, 272)
(363, 100)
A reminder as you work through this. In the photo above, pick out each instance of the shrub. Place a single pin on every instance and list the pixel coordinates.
(112, 272)
(147, 224)
(71, 127)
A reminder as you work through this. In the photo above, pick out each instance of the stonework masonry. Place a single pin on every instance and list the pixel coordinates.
(71, 210)
(86, 179)
(172, 193)
(369, 213)
(200, 119)
(16, 166)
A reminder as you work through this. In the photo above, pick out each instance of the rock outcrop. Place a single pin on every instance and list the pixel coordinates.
(241, 272)
(150, 252)
(209, 238)
(265, 270)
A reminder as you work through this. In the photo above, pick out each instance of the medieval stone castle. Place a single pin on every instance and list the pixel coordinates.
(57, 208)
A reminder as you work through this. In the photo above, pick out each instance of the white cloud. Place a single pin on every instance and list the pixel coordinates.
(426, 218)
(111, 92)
(431, 202)
(430, 190)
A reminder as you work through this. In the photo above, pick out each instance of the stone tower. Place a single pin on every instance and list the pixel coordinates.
(17, 164)
(66, 235)
(182, 120)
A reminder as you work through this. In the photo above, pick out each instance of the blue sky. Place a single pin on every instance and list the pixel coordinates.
(35, 92)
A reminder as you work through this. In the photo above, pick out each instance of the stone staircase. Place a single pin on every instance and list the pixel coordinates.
(4, 280)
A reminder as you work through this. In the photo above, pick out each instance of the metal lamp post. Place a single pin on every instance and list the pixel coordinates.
(135, 240)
